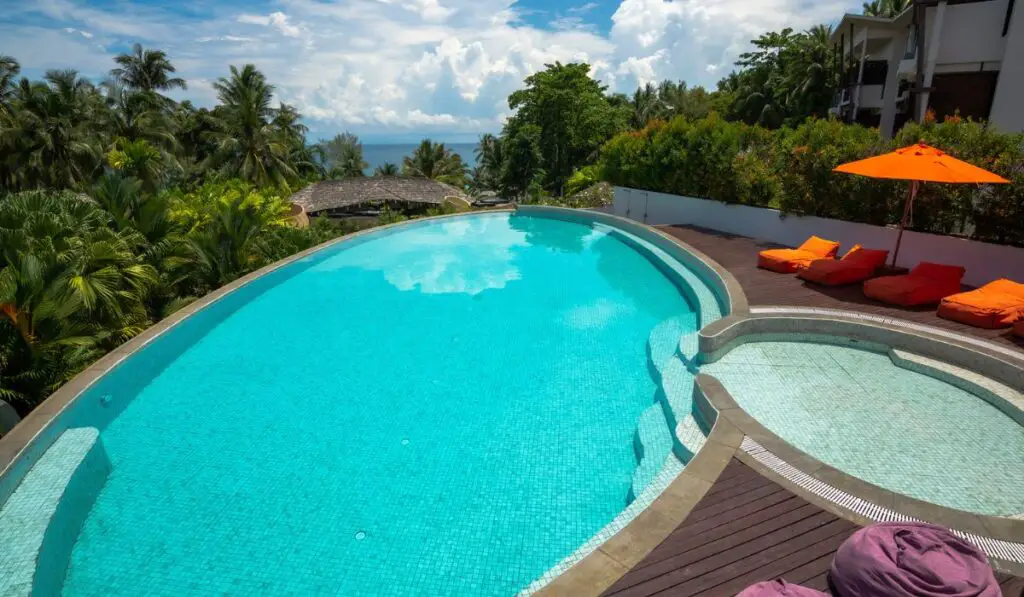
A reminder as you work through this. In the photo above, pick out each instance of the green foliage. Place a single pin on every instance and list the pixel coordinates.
(792, 169)
(886, 8)
(568, 115)
(786, 79)
(386, 169)
(437, 162)
(343, 156)
(582, 179)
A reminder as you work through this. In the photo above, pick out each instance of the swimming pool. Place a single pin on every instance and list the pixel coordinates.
(883, 416)
(445, 407)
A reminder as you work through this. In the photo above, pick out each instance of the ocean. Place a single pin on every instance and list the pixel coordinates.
(375, 155)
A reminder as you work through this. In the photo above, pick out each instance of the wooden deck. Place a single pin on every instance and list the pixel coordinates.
(746, 529)
(738, 254)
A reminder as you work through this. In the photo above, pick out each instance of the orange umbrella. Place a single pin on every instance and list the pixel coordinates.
(918, 163)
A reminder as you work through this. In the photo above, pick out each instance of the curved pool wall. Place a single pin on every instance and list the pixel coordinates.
(111, 386)
(991, 373)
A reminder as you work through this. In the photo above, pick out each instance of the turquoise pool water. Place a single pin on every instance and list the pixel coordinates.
(857, 411)
(446, 409)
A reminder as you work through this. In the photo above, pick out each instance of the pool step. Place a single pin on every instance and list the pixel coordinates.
(691, 436)
(41, 520)
(652, 443)
(663, 341)
(676, 396)
(1001, 396)
(688, 349)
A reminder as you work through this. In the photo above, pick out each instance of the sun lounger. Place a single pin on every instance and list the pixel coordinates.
(926, 284)
(857, 265)
(787, 261)
(995, 305)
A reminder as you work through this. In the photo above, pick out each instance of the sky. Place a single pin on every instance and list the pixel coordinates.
(401, 70)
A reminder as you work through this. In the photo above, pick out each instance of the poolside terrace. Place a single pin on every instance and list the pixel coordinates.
(738, 254)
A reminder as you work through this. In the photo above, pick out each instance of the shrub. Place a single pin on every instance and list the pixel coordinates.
(792, 170)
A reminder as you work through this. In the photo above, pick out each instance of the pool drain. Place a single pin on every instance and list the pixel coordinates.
(360, 535)
(405, 441)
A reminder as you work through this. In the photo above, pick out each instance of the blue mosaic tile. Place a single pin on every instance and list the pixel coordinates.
(856, 411)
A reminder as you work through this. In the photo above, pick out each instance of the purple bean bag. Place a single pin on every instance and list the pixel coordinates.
(778, 588)
(911, 559)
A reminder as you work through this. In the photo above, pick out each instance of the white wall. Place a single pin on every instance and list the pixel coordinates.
(1007, 113)
(971, 32)
(984, 262)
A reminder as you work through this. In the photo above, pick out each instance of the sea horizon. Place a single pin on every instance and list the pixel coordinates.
(377, 154)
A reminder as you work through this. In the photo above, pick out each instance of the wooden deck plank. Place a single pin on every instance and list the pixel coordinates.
(740, 541)
(713, 571)
(738, 254)
(687, 549)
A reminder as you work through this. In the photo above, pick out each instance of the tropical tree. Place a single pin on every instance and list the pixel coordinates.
(646, 106)
(522, 172)
(785, 79)
(50, 139)
(886, 8)
(146, 70)
(386, 169)
(9, 69)
(250, 144)
(489, 158)
(571, 113)
(437, 162)
(343, 156)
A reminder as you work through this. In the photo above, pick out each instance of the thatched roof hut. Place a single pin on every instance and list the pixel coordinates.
(341, 195)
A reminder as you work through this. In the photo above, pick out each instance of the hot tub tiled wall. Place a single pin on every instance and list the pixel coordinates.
(724, 335)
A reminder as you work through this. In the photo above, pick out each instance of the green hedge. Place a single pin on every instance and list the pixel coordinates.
(791, 170)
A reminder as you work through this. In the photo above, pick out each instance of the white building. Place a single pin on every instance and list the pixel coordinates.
(948, 56)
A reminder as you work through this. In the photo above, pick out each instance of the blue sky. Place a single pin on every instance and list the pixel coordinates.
(399, 70)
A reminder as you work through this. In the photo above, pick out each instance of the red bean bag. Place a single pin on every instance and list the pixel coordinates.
(911, 560)
(787, 261)
(926, 284)
(1018, 329)
(995, 305)
(778, 588)
(857, 265)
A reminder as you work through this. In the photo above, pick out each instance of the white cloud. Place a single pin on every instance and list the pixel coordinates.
(589, 6)
(388, 66)
(278, 20)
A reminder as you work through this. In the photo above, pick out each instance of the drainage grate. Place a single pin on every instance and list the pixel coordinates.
(996, 548)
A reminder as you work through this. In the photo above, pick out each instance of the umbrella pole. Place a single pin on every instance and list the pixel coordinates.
(906, 217)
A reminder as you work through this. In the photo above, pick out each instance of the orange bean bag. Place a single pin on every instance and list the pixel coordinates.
(857, 265)
(926, 284)
(787, 261)
(994, 305)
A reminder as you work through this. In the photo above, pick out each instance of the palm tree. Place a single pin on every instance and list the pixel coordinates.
(249, 143)
(386, 169)
(646, 106)
(489, 157)
(228, 245)
(886, 8)
(146, 70)
(9, 69)
(435, 161)
(50, 139)
(134, 115)
(343, 156)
